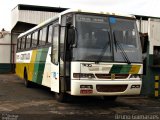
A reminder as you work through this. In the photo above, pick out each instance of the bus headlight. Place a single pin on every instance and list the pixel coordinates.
(135, 76)
(83, 75)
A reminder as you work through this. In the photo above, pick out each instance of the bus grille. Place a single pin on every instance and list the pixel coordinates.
(111, 88)
(109, 76)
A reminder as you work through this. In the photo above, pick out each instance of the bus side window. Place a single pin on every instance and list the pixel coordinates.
(28, 41)
(55, 45)
(19, 44)
(42, 36)
(23, 42)
(34, 39)
(50, 30)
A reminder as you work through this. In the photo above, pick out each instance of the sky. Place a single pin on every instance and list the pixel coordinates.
(140, 7)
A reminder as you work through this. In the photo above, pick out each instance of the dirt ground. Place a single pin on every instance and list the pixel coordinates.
(20, 103)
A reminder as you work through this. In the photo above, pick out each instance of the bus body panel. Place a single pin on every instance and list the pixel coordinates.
(77, 91)
(47, 70)
(105, 67)
(37, 64)
(112, 75)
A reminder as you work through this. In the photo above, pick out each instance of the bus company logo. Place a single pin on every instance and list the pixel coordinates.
(54, 74)
(113, 76)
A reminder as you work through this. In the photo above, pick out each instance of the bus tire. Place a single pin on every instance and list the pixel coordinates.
(110, 98)
(61, 97)
(26, 82)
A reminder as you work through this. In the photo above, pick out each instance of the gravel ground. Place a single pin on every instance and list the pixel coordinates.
(38, 103)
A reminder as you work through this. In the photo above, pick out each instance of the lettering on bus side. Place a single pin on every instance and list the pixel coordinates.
(24, 56)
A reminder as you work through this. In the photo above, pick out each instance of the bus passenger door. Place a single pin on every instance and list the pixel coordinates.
(55, 81)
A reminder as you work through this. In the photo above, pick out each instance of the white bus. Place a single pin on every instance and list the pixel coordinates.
(82, 53)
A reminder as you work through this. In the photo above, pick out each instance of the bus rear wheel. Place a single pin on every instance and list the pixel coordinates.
(61, 97)
(26, 82)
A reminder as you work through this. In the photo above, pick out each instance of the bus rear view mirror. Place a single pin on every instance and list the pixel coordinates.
(71, 37)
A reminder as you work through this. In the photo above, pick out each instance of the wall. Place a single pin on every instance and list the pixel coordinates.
(5, 56)
(152, 27)
(5, 49)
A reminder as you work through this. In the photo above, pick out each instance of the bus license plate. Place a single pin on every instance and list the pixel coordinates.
(86, 91)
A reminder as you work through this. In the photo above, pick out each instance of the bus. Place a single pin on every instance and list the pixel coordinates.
(82, 53)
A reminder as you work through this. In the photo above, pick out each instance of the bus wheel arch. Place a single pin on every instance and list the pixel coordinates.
(26, 82)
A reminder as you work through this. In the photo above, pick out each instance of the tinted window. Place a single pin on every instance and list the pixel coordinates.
(50, 29)
(42, 36)
(126, 41)
(23, 43)
(93, 40)
(19, 44)
(55, 45)
(28, 41)
(34, 39)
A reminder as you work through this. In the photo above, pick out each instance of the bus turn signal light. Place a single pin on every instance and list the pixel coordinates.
(86, 89)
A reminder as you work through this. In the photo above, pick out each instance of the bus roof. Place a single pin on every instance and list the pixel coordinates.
(70, 11)
(94, 11)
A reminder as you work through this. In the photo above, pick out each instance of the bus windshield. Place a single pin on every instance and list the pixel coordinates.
(96, 36)
(93, 37)
(126, 35)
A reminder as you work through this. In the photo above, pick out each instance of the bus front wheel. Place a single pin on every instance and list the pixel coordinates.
(26, 82)
(61, 97)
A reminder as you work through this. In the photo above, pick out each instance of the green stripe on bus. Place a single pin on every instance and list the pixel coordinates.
(39, 65)
(125, 69)
(120, 69)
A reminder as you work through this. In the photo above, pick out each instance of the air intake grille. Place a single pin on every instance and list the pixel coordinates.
(109, 76)
(111, 88)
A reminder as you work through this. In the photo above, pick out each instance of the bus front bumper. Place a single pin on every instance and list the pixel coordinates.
(105, 88)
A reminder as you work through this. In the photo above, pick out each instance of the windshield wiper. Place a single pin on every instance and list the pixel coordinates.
(124, 55)
(103, 50)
